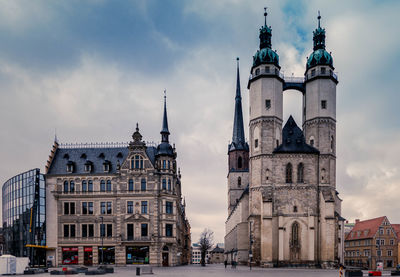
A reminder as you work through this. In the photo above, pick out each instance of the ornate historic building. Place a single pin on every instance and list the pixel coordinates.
(283, 207)
(116, 204)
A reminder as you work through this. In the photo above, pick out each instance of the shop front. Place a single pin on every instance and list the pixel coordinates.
(88, 255)
(137, 255)
(107, 255)
(69, 255)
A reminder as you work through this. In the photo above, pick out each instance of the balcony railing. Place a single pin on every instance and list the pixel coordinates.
(266, 72)
(101, 145)
(133, 238)
(321, 71)
(137, 191)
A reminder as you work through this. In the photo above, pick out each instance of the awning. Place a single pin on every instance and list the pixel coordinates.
(40, 246)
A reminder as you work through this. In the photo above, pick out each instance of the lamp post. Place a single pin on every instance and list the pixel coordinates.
(102, 231)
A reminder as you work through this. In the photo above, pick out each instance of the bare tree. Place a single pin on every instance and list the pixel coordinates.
(206, 242)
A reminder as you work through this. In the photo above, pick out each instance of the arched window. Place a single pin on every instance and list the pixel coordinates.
(240, 163)
(289, 171)
(130, 185)
(267, 173)
(164, 183)
(323, 175)
(90, 185)
(84, 186)
(102, 185)
(332, 144)
(300, 173)
(72, 186)
(65, 186)
(143, 185)
(108, 185)
(169, 184)
(239, 182)
(295, 235)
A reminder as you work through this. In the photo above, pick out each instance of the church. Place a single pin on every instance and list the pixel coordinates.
(283, 206)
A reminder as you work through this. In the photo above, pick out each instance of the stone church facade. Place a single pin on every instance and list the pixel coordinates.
(283, 207)
(116, 204)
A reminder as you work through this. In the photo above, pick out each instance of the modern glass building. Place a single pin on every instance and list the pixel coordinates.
(24, 215)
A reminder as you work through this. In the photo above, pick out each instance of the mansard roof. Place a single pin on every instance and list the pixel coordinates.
(293, 140)
(97, 156)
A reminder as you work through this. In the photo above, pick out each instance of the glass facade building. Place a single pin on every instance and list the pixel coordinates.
(24, 215)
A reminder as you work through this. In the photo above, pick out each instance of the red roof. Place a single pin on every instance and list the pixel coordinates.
(365, 229)
(396, 228)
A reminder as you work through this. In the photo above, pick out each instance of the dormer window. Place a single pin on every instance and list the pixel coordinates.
(88, 166)
(106, 166)
(83, 156)
(70, 167)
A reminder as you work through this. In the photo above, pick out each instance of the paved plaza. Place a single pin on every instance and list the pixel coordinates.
(218, 270)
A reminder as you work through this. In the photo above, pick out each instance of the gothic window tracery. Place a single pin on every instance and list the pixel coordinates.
(240, 162)
(300, 173)
(289, 173)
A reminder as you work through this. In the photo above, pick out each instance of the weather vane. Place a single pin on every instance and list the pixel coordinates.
(265, 16)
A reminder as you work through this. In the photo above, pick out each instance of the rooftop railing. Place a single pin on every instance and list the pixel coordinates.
(100, 145)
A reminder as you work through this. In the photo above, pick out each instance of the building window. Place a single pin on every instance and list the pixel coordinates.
(323, 70)
(168, 230)
(144, 230)
(382, 242)
(377, 242)
(295, 235)
(66, 187)
(169, 165)
(323, 104)
(109, 208)
(130, 185)
(69, 208)
(169, 184)
(137, 162)
(164, 183)
(312, 72)
(168, 207)
(90, 186)
(129, 231)
(70, 167)
(289, 171)
(391, 242)
(300, 173)
(88, 166)
(257, 71)
(268, 104)
(333, 146)
(87, 230)
(256, 143)
(106, 166)
(144, 207)
(106, 230)
(143, 185)
(129, 207)
(239, 182)
(390, 253)
(295, 209)
(240, 162)
(388, 231)
(72, 186)
(381, 230)
(84, 186)
(164, 164)
(102, 185)
(109, 185)
(267, 70)
(312, 141)
(378, 253)
(277, 142)
(87, 207)
(69, 230)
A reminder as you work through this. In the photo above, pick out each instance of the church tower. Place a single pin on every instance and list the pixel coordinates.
(238, 153)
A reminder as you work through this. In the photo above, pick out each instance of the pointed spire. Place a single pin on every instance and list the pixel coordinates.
(238, 139)
(319, 35)
(265, 16)
(164, 131)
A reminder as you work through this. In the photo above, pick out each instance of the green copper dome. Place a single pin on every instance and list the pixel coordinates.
(319, 57)
(264, 56)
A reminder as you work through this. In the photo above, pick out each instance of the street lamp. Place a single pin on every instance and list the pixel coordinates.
(102, 231)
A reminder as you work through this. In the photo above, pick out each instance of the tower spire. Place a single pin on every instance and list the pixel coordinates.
(164, 131)
(238, 140)
(265, 16)
(319, 20)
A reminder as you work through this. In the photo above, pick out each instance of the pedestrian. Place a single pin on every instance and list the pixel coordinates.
(225, 263)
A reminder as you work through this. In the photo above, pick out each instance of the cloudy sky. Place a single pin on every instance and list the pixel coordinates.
(92, 69)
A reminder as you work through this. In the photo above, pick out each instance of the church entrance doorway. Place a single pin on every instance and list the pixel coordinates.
(295, 243)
